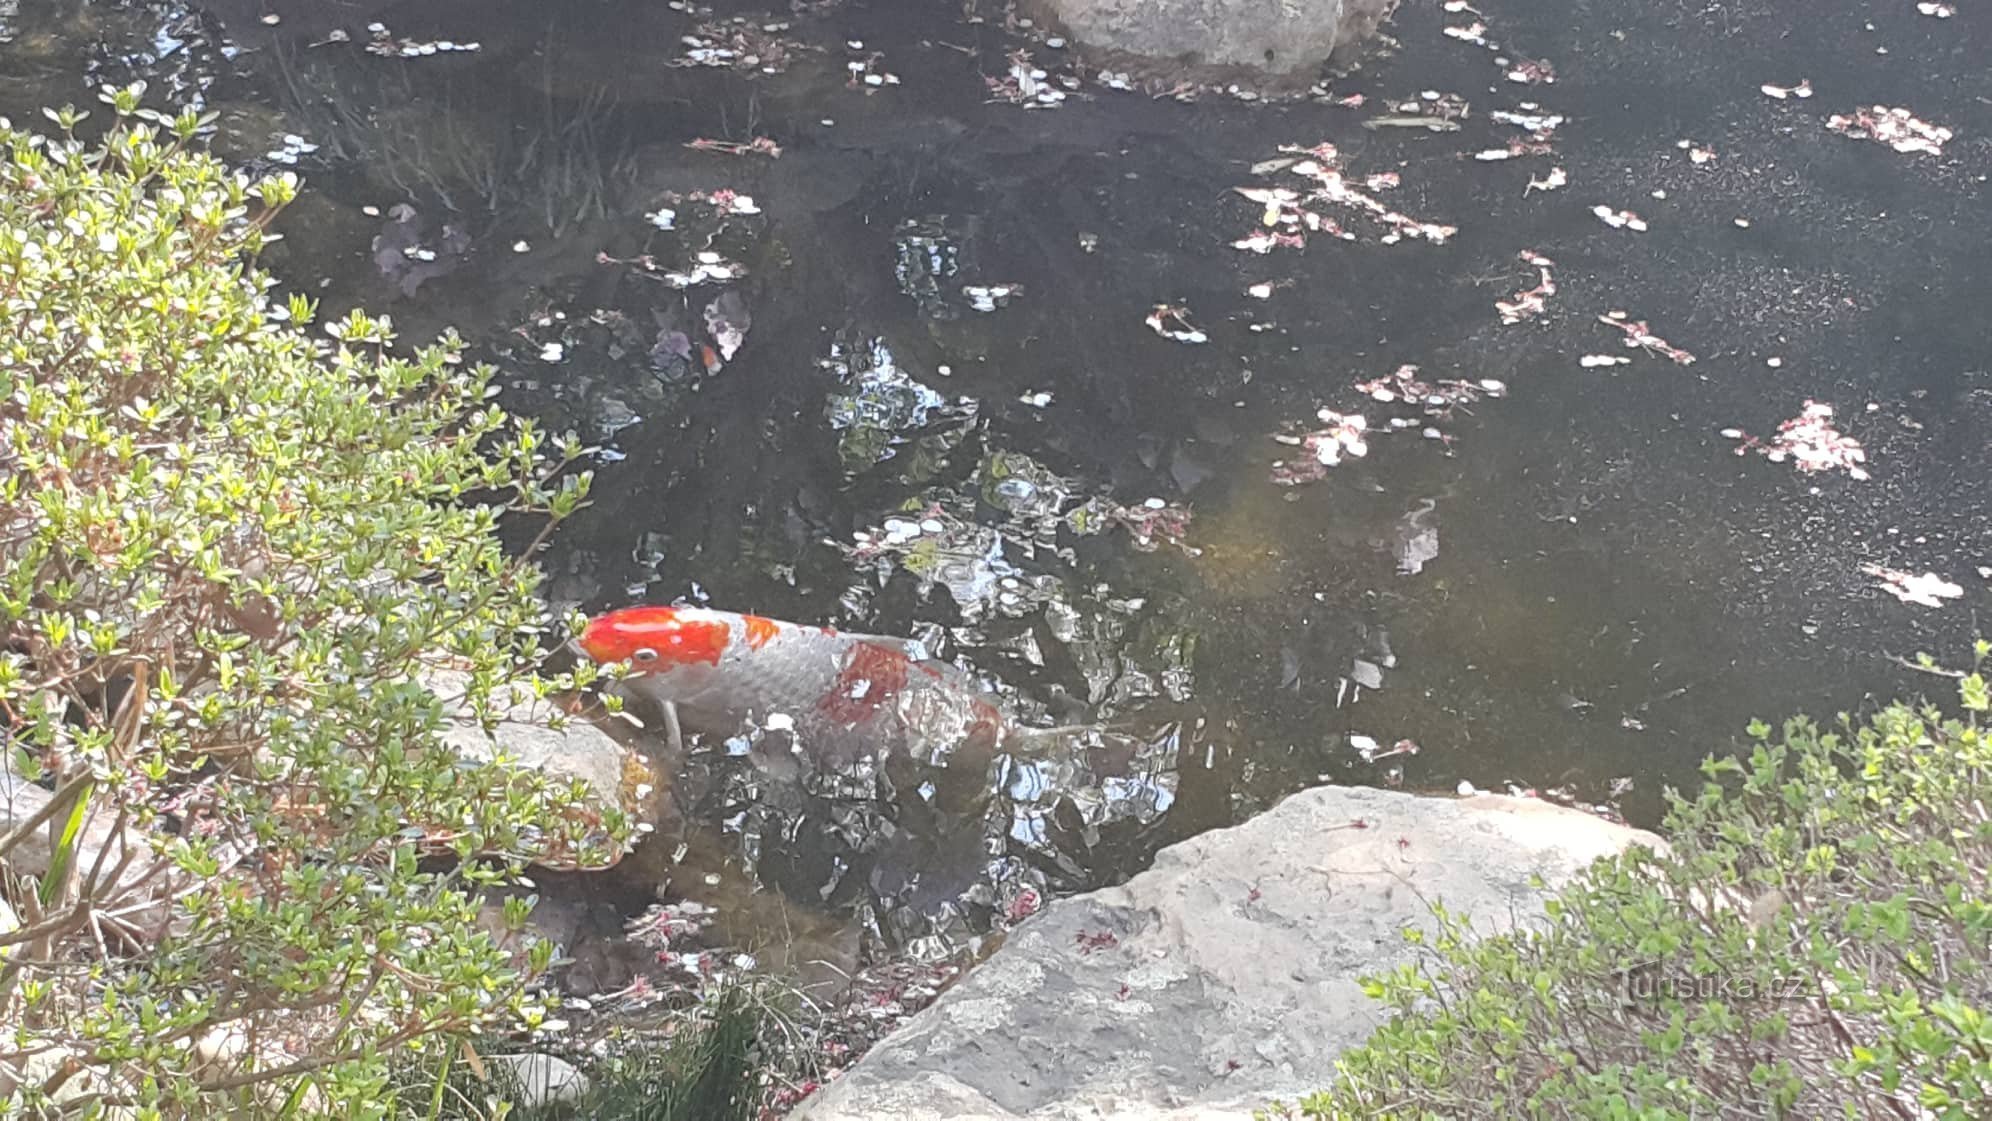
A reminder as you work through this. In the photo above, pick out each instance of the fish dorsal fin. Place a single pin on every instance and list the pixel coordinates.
(914, 650)
(945, 671)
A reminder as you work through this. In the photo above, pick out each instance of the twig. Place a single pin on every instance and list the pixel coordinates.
(1934, 671)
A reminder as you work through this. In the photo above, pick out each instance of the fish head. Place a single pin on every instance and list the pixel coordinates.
(657, 638)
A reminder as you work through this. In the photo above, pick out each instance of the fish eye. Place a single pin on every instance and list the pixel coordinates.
(646, 654)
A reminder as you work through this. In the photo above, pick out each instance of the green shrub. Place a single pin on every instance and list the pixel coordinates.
(232, 555)
(1816, 944)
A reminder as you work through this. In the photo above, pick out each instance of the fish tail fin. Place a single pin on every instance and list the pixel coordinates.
(1130, 769)
(1120, 739)
(1035, 742)
(1030, 743)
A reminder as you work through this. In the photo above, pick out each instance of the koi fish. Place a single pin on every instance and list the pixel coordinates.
(845, 695)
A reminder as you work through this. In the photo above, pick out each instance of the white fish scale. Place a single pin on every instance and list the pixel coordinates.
(791, 673)
(794, 672)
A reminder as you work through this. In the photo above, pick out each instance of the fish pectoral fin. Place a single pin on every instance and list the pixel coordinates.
(674, 733)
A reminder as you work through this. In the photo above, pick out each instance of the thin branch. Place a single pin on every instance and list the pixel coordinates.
(1934, 671)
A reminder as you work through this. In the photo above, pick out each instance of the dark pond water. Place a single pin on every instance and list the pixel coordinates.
(1578, 588)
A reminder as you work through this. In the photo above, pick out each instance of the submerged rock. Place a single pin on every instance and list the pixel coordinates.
(579, 751)
(1225, 975)
(1283, 37)
(543, 1080)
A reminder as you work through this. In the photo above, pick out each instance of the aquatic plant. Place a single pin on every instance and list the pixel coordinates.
(708, 1069)
(241, 868)
(434, 147)
(708, 1062)
(1818, 942)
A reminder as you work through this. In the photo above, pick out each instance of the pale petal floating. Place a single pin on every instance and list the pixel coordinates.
(1927, 590)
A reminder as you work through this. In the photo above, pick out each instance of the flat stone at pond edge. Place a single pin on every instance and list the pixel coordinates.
(1225, 975)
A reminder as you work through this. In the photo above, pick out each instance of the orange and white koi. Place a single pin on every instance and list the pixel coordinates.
(845, 695)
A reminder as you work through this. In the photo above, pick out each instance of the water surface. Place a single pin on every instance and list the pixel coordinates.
(1614, 592)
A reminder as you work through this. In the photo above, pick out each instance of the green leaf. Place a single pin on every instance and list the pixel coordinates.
(62, 858)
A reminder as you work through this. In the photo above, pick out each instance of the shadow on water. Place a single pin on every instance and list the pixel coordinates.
(945, 418)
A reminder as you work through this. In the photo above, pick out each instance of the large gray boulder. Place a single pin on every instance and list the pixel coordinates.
(1225, 975)
(1277, 36)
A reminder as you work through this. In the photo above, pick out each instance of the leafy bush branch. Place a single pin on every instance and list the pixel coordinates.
(231, 558)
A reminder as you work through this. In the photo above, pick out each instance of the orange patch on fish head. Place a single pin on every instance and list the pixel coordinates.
(760, 630)
(656, 637)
